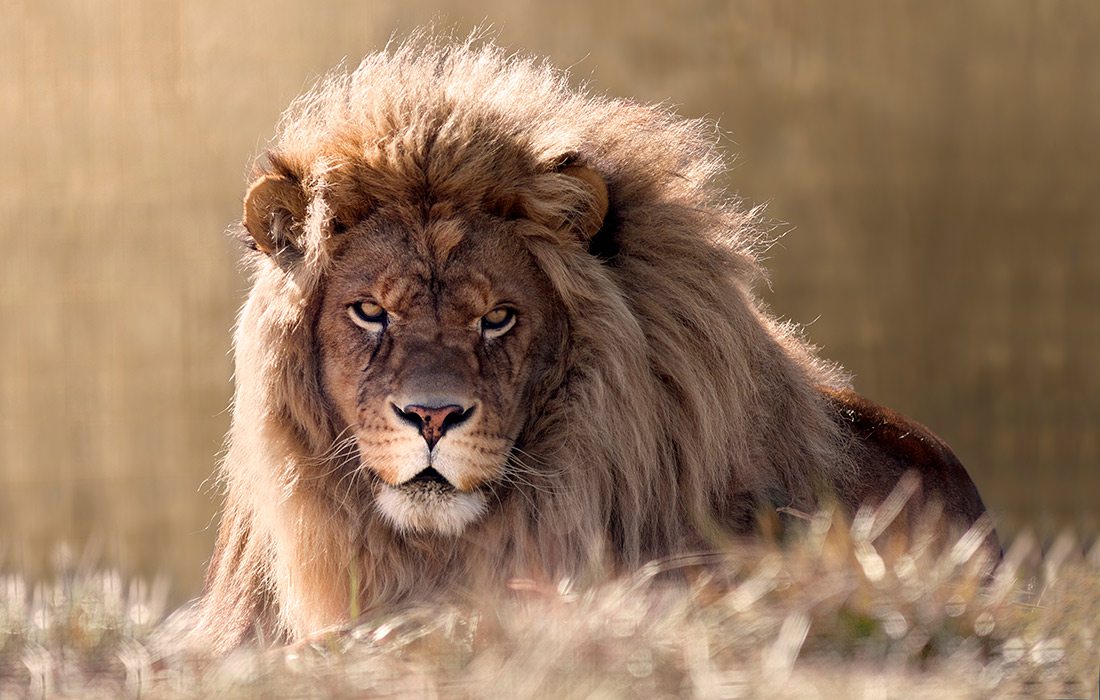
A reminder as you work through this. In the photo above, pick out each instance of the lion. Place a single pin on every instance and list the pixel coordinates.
(501, 327)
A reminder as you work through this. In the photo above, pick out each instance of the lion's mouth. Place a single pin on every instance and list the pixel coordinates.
(429, 486)
(430, 479)
(429, 502)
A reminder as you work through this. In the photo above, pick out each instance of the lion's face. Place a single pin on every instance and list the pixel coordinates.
(432, 340)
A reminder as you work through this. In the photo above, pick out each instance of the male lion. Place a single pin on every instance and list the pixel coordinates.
(500, 327)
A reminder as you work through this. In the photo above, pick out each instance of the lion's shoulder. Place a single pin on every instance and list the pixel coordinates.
(891, 444)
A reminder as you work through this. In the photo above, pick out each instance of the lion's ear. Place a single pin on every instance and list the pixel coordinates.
(570, 197)
(274, 212)
(591, 212)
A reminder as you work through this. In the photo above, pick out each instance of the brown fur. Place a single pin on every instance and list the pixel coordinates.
(895, 445)
(643, 403)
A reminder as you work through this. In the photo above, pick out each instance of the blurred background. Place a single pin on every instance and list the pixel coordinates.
(935, 165)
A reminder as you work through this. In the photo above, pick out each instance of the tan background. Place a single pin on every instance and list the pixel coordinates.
(938, 162)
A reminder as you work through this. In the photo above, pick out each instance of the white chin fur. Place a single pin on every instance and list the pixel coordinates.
(442, 513)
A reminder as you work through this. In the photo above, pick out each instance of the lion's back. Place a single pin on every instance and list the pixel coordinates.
(890, 445)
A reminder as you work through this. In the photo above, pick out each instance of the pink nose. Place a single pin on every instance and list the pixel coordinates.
(433, 421)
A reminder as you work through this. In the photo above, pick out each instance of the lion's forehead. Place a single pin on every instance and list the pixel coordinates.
(404, 267)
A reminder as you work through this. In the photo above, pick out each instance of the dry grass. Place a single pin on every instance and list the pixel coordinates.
(824, 615)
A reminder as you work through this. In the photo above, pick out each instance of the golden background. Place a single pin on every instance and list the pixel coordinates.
(936, 163)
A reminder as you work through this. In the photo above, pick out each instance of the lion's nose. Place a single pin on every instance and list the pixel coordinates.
(433, 421)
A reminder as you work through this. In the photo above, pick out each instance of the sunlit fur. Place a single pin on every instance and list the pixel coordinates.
(675, 402)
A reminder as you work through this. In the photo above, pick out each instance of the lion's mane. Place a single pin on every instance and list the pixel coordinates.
(684, 403)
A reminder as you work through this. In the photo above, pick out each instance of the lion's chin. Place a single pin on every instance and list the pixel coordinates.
(427, 510)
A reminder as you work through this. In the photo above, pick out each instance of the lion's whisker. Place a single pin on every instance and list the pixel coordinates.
(522, 492)
(524, 476)
(340, 456)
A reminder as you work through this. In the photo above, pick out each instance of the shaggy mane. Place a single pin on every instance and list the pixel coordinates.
(684, 408)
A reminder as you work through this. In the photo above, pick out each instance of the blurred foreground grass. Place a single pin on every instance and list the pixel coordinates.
(825, 615)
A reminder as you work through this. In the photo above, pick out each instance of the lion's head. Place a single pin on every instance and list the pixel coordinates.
(437, 334)
(498, 327)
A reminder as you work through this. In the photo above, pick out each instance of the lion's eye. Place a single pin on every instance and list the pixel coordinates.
(368, 315)
(498, 321)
